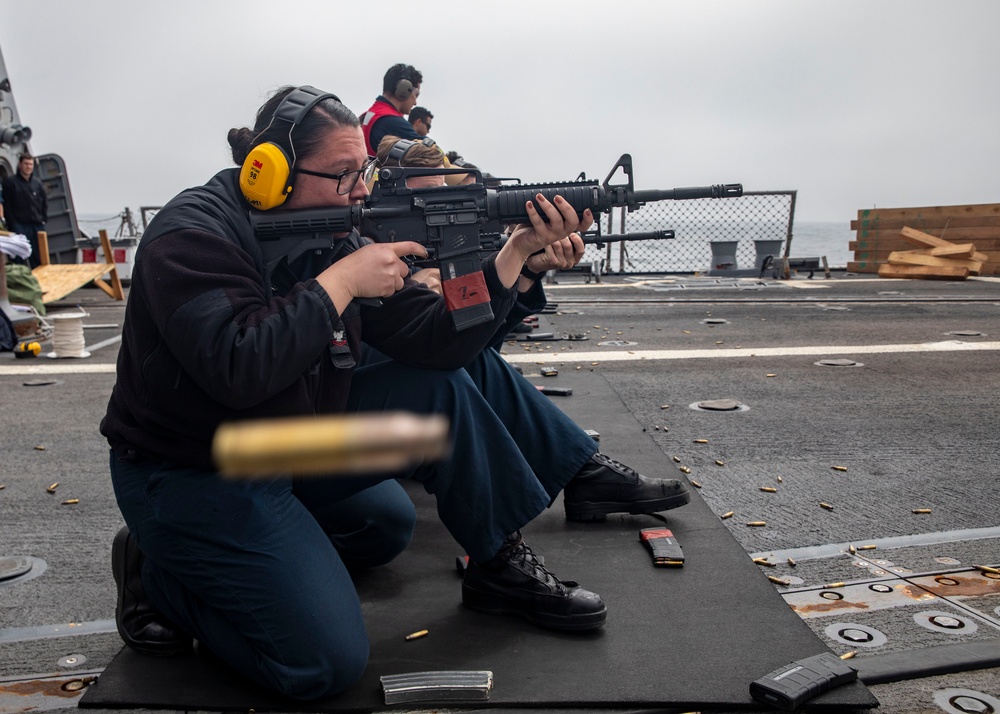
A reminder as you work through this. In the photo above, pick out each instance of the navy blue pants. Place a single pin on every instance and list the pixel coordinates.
(257, 570)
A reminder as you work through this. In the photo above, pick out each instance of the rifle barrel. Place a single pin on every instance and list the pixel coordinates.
(593, 239)
(729, 190)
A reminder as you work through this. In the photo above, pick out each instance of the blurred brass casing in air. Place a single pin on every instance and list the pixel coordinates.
(329, 445)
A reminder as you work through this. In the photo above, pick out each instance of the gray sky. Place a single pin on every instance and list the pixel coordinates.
(853, 103)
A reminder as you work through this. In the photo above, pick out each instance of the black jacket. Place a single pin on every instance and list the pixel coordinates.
(24, 201)
(210, 337)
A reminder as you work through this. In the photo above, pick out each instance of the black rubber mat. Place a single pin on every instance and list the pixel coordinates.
(691, 637)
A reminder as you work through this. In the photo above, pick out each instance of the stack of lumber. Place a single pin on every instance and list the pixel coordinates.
(935, 258)
(946, 242)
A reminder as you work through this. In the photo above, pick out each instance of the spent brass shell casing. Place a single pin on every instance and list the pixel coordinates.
(851, 549)
(664, 406)
(772, 374)
(834, 585)
(779, 581)
(921, 510)
(39, 447)
(720, 462)
(757, 524)
(676, 459)
(696, 484)
(727, 514)
(768, 489)
(684, 469)
(792, 562)
(779, 479)
(870, 546)
(701, 441)
(827, 506)
(987, 569)
(52, 488)
(765, 561)
(3, 486)
(70, 501)
(849, 655)
(839, 468)
(416, 635)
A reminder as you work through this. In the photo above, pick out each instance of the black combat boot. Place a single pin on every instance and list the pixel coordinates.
(515, 582)
(606, 486)
(139, 624)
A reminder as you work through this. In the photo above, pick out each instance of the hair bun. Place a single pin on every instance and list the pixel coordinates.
(241, 141)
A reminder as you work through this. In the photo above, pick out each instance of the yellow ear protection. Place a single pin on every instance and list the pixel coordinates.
(266, 175)
(403, 90)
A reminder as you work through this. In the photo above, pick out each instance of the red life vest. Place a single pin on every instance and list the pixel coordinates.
(379, 109)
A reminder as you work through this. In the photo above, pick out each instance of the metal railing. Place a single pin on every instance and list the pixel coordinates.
(757, 221)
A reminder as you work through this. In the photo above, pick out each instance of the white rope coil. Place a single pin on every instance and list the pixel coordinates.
(67, 338)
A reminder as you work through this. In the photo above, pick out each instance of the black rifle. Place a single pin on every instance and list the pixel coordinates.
(491, 244)
(452, 222)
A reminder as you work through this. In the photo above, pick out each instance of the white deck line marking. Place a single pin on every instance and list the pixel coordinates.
(812, 552)
(799, 283)
(69, 629)
(67, 368)
(609, 356)
(817, 350)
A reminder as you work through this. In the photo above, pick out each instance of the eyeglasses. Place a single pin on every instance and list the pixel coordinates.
(347, 180)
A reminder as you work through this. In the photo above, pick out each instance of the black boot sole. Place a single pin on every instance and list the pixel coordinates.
(181, 646)
(589, 511)
(495, 604)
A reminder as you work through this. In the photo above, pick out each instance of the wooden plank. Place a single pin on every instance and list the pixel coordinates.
(923, 213)
(922, 239)
(872, 266)
(115, 289)
(912, 257)
(43, 247)
(958, 250)
(893, 241)
(927, 223)
(924, 272)
(956, 235)
(883, 255)
(58, 281)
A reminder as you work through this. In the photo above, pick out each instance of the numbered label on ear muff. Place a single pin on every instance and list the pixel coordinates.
(264, 177)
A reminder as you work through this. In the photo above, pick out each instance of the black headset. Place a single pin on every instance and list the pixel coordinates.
(266, 175)
(403, 90)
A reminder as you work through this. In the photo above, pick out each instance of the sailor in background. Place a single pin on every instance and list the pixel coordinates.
(24, 205)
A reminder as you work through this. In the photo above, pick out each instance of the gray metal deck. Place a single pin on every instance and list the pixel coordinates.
(913, 422)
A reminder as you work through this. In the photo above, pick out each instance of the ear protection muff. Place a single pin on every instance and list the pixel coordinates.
(266, 174)
(403, 90)
(399, 150)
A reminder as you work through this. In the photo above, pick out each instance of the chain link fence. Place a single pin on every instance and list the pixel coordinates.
(729, 233)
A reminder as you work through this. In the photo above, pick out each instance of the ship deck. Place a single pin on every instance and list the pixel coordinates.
(893, 382)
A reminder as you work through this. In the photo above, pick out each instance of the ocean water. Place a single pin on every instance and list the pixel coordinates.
(819, 238)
